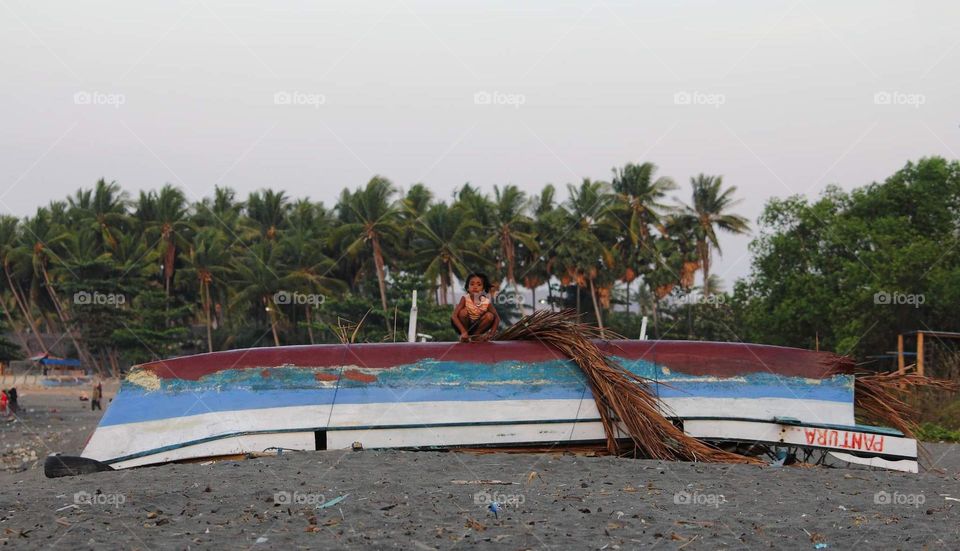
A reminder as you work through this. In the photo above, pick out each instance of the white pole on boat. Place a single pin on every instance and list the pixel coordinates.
(643, 329)
(412, 330)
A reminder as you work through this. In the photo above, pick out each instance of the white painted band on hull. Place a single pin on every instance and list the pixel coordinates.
(116, 441)
(383, 438)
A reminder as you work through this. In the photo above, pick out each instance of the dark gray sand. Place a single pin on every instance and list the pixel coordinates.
(435, 500)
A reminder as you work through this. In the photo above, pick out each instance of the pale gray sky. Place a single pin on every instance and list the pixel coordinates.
(779, 97)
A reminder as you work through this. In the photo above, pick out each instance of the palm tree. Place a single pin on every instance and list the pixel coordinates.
(8, 242)
(369, 218)
(257, 281)
(303, 255)
(710, 210)
(417, 200)
(28, 263)
(82, 267)
(638, 209)
(222, 212)
(535, 263)
(103, 209)
(510, 227)
(39, 236)
(164, 220)
(475, 204)
(415, 203)
(446, 244)
(582, 251)
(267, 211)
(207, 263)
(674, 261)
(640, 199)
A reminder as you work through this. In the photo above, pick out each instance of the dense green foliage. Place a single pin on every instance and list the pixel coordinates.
(853, 270)
(132, 279)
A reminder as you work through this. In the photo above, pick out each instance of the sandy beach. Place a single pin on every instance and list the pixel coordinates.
(438, 500)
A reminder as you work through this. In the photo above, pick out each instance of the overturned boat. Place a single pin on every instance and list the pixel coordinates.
(491, 394)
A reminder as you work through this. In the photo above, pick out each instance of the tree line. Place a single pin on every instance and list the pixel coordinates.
(114, 279)
(122, 279)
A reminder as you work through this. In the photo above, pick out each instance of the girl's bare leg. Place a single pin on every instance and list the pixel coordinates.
(483, 326)
(464, 319)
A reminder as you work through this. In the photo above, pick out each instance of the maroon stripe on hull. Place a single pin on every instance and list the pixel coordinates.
(694, 358)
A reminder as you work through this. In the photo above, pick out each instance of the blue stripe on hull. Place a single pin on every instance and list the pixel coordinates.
(437, 381)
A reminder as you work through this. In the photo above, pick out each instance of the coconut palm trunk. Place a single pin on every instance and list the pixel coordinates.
(272, 311)
(25, 311)
(67, 322)
(114, 362)
(309, 325)
(509, 256)
(13, 327)
(656, 316)
(703, 250)
(596, 308)
(169, 258)
(381, 273)
(452, 296)
(205, 297)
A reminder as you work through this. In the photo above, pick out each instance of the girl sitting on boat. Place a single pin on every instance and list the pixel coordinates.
(475, 316)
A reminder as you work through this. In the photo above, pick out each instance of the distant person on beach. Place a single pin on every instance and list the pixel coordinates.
(4, 409)
(97, 396)
(475, 316)
(12, 400)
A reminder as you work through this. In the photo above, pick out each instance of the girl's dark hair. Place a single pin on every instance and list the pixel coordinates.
(483, 278)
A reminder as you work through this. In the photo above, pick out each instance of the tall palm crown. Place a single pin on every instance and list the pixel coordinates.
(447, 245)
(510, 229)
(640, 199)
(370, 221)
(207, 264)
(163, 217)
(711, 211)
(268, 210)
(535, 262)
(103, 209)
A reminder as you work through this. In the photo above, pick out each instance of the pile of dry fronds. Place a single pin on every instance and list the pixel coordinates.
(881, 398)
(623, 398)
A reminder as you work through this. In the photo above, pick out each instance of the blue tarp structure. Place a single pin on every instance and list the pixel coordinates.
(44, 359)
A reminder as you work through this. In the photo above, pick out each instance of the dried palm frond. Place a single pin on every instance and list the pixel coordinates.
(347, 332)
(623, 398)
(881, 397)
